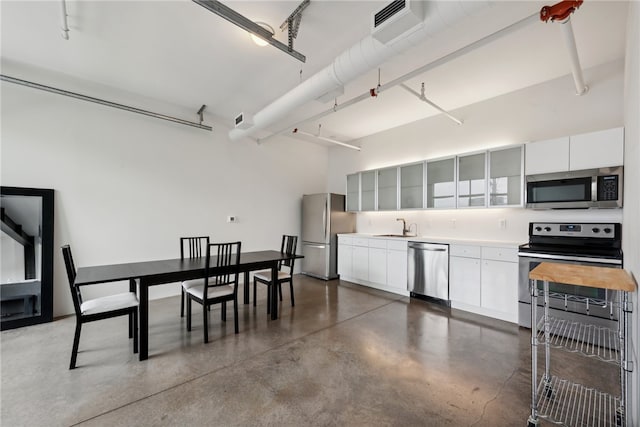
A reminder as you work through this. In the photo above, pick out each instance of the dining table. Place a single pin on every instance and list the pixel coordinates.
(142, 275)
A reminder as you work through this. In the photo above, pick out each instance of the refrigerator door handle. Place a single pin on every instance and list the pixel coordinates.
(315, 246)
(324, 218)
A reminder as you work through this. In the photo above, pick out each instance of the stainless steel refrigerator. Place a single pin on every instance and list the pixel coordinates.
(323, 217)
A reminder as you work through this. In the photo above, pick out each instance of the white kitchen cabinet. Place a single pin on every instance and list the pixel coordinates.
(505, 177)
(353, 192)
(412, 186)
(472, 180)
(378, 265)
(464, 280)
(397, 264)
(551, 155)
(441, 183)
(499, 282)
(388, 189)
(345, 257)
(597, 149)
(585, 151)
(368, 191)
(360, 259)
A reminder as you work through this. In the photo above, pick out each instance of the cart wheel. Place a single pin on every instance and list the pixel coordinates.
(532, 423)
(619, 417)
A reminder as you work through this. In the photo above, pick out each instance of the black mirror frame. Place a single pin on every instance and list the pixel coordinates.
(46, 305)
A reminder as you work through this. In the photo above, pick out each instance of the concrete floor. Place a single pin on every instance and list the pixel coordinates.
(344, 355)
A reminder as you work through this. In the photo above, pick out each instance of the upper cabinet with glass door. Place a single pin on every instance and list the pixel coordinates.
(388, 189)
(368, 191)
(353, 192)
(505, 177)
(441, 183)
(472, 180)
(412, 186)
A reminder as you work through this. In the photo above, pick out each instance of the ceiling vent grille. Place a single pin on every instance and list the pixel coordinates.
(395, 19)
(388, 12)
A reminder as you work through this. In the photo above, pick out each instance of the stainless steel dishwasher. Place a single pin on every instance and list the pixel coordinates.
(428, 270)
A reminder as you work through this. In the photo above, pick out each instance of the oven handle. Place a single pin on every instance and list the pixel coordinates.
(570, 258)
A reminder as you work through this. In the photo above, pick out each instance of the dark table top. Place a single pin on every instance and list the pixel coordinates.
(170, 269)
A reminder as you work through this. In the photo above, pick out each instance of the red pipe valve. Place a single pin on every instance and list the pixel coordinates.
(559, 11)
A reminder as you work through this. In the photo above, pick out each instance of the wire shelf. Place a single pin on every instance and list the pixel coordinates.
(565, 403)
(584, 300)
(589, 340)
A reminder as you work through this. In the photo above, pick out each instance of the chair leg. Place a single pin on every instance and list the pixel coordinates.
(280, 290)
(181, 301)
(223, 310)
(76, 342)
(135, 331)
(130, 325)
(254, 291)
(205, 322)
(235, 314)
(268, 298)
(291, 291)
(188, 313)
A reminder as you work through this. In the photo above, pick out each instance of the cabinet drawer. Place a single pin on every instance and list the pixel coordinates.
(378, 243)
(500, 254)
(397, 245)
(342, 240)
(359, 241)
(465, 251)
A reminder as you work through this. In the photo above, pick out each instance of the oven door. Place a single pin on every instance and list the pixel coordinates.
(565, 308)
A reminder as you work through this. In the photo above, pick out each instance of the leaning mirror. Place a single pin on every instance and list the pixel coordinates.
(26, 256)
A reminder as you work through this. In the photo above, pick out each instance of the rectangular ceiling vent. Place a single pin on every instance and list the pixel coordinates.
(395, 19)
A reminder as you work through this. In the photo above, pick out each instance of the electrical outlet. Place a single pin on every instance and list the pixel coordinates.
(232, 218)
(502, 224)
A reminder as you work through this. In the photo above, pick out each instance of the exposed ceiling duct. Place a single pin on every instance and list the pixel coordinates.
(365, 55)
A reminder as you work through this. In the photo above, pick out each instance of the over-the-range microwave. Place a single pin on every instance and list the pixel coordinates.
(591, 188)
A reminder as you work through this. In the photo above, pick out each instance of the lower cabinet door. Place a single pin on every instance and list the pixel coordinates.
(499, 287)
(464, 280)
(345, 262)
(378, 266)
(397, 269)
(361, 262)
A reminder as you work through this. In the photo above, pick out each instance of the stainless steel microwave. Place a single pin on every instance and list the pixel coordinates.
(591, 188)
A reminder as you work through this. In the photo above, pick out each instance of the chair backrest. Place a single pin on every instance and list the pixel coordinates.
(193, 247)
(221, 255)
(71, 275)
(288, 246)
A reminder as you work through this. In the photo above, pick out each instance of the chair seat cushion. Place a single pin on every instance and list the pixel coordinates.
(265, 275)
(109, 303)
(191, 283)
(213, 292)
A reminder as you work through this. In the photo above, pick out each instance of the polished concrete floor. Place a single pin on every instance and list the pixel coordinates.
(345, 355)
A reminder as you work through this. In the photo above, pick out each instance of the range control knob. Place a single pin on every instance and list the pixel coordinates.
(595, 229)
(607, 230)
(547, 229)
(538, 228)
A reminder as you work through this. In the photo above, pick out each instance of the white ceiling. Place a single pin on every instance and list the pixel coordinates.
(180, 53)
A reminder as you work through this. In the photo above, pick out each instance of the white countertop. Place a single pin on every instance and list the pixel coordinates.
(435, 239)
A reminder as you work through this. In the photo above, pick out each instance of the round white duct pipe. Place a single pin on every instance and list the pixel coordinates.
(365, 55)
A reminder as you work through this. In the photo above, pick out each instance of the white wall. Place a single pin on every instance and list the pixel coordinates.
(128, 186)
(543, 111)
(631, 229)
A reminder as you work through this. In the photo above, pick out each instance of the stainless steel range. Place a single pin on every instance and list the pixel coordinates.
(595, 244)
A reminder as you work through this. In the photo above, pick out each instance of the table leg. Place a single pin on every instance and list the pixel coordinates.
(274, 291)
(144, 320)
(246, 287)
